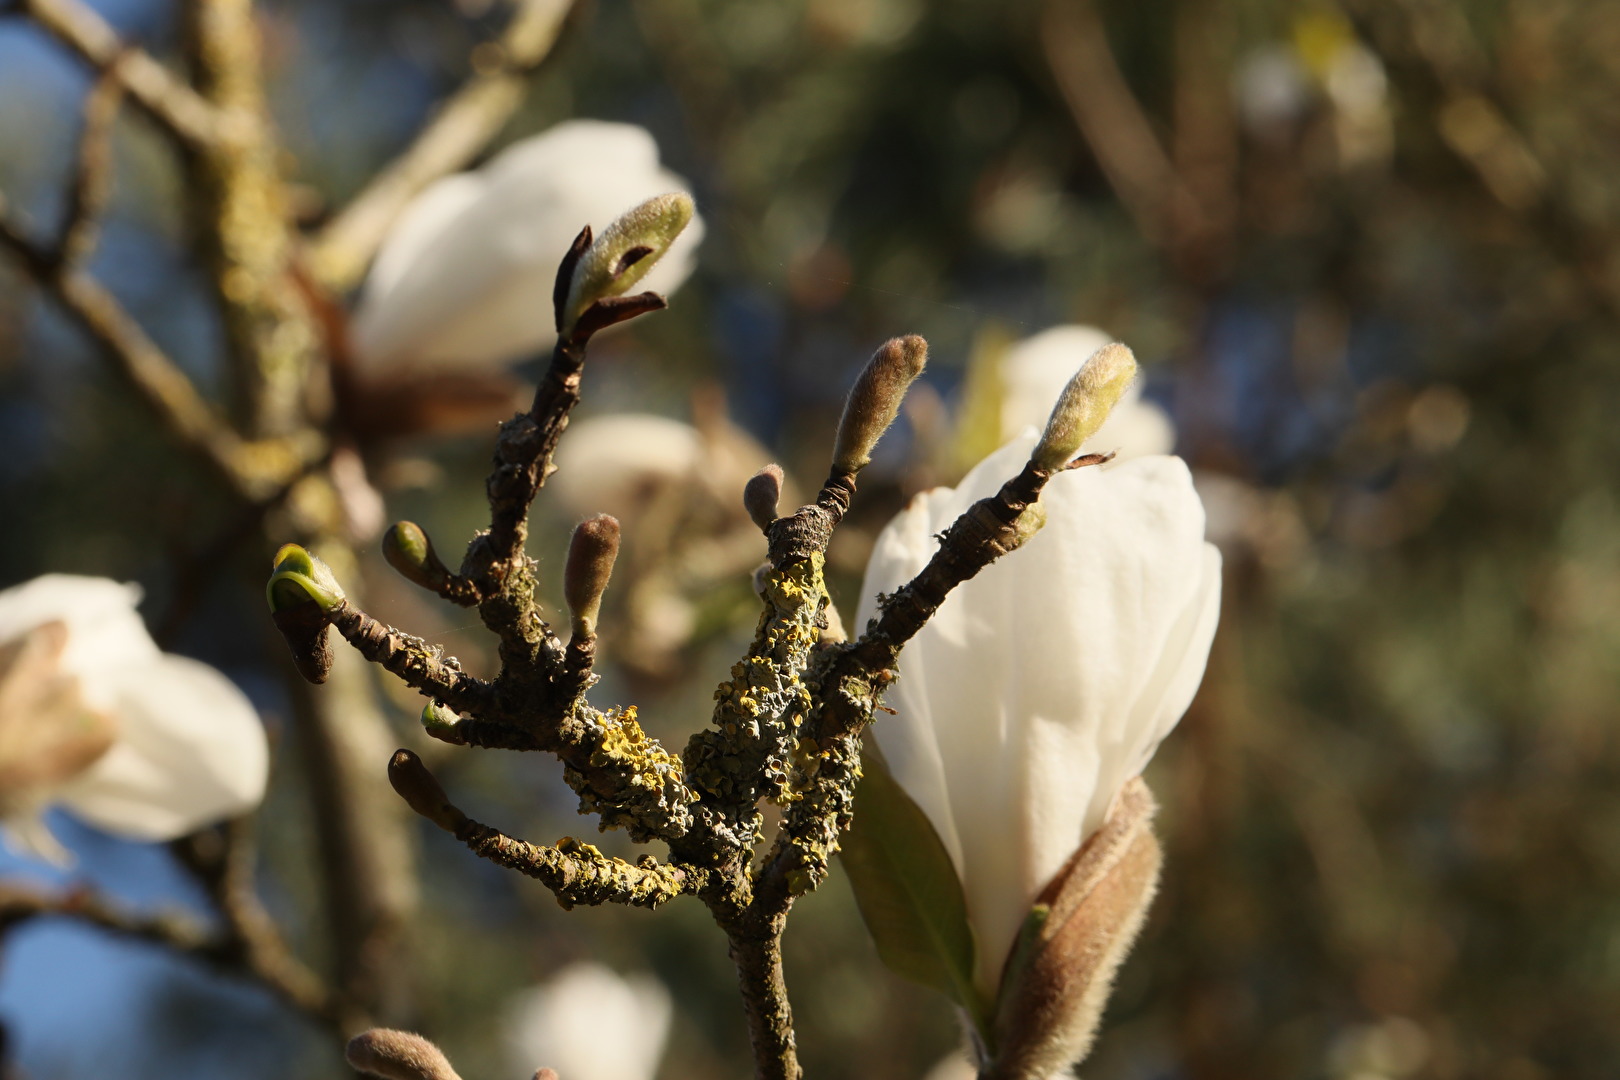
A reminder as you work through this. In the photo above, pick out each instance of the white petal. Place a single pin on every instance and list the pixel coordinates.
(609, 464)
(419, 227)
(104, 629)
(191, 750)
(1040, 685)
(589, 1023)
(27, 834)
(466, 280)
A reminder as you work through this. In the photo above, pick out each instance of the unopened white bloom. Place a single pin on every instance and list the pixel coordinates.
(611, 464)
(95, 718)
(465, 278)
(1034, 373)
(589, 1023)
(1047, 681)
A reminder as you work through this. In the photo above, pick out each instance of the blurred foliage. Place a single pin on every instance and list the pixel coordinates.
(1392, 818)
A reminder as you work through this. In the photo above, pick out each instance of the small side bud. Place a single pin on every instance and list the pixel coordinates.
(408, 550)
(297, 576)
(398, 1055)
(1085, 403)
(623, 253)
(437, 718)
(590, 564)
(422, 792)
(874, 401)
(762, 495)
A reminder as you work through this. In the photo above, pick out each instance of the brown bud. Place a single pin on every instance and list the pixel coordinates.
(1059, 976)
(408, 550)
(546, 1074)
(874, 401)
(398, 1055)
(591, 554)
(303, 625)
(421, 790)
(762, 494)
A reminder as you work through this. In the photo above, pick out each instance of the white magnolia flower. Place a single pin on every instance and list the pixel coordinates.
(464, 279)
(613, 464)
(589, 1023)
(95, 718)
(1046, 682)
(1034, 373)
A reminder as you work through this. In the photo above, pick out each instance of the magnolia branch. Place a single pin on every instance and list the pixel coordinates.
(338, 255)
(161, 95)
(252, 470)
(1112, 120)
(222, 861)
(235, 952)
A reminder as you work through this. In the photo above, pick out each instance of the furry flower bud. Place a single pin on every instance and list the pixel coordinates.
(1086, 402)
(762, 495)
(398, 1055)
(874, 401)
(623, 253)
(591, 554)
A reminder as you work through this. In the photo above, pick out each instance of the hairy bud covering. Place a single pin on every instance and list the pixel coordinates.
(762, 495)
(398, 1055)
(874, 401)
(1085, 404)
(622, 253)
(591, 555)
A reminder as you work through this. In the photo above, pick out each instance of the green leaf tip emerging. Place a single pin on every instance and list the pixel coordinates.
(1085, 404)
(297, 577)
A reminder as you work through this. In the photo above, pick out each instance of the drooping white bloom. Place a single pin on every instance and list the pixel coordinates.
(1047, 681)
(1034, 373)
(95, 718)
(589, 1023)
(464, 279)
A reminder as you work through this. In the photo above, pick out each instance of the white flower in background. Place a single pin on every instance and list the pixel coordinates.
(589, 1023)
(1034, 373)
(464, 279)
(96, 719)
(612, 464)
(1046, 682)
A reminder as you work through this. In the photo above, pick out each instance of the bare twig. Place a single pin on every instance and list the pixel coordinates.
(252, 470)
(339, 254)
(223, 862)
(19, 904)
(1112, 121)
(93, 175)
(175, 107)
